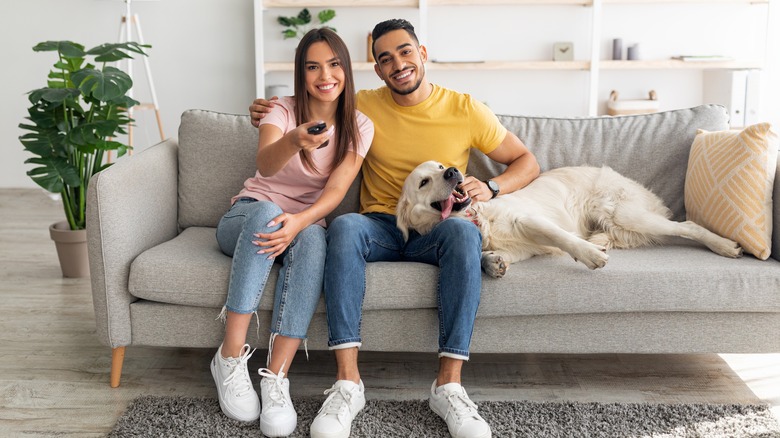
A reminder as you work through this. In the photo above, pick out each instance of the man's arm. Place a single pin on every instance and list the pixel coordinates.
(522, 168)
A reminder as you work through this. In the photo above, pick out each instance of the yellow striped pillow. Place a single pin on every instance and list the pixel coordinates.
(728, 187)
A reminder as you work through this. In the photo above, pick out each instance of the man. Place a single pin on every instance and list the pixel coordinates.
(414, 121)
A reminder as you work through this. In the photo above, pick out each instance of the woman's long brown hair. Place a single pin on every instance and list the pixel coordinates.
(346, 121)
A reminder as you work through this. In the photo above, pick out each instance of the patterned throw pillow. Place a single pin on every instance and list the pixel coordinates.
(728, 187)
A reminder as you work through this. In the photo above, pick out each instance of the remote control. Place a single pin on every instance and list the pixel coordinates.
(318, 128)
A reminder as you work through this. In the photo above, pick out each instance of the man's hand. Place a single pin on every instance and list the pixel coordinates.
(477, 190)
(259, 108)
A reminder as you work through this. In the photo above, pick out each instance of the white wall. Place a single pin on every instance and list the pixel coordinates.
(203, 55)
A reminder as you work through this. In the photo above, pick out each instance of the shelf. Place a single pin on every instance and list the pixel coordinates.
(673, 64)
(576, 2)
(415, 3)
(593, 65)
(668, 64)
(339, 3)
(486, 66)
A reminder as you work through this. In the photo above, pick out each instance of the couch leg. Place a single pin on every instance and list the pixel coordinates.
(117, 358)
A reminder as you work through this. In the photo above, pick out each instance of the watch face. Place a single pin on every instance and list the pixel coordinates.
(493, 186)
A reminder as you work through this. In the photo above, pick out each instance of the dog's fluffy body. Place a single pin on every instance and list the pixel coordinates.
(582, 211)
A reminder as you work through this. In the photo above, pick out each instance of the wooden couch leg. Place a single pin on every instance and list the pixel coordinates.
(117, 358)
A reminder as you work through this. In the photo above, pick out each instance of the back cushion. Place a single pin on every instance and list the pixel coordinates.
(652, 149)
(216, 154)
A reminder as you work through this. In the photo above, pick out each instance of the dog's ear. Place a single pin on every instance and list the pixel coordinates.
(402, 216)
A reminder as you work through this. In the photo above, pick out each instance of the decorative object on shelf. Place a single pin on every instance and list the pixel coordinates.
(369, 51)
(617, 107)
(632, 53)
(300, 24)
(277, 90)
(74, 119)
(563, 51)
(617, 49)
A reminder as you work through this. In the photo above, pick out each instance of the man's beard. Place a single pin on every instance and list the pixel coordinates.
(409, 90)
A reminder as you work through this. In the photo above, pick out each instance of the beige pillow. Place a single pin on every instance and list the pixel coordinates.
(728, 187)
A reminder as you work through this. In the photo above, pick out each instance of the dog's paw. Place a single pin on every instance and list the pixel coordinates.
(493, 264)
(593, 256)
(728, 248)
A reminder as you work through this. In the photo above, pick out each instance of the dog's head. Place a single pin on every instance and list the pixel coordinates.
(431, 193)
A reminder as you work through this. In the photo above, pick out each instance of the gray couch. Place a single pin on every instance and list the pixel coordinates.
(159, 278)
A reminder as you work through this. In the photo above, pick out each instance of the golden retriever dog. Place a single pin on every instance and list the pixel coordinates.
(582, 211)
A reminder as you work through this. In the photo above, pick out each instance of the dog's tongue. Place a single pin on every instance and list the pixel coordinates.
(446, 206)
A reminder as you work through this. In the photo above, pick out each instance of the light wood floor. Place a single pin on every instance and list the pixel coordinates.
(54, 372)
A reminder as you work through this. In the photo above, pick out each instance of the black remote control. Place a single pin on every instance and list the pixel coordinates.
(318, 128)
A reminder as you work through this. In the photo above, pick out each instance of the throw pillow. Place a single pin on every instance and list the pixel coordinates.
(728, 186)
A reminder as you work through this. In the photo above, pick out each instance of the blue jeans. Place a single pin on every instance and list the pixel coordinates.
(455, 245)
(299, 285)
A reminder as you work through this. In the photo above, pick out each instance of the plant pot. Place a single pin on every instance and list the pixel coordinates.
(71, 249)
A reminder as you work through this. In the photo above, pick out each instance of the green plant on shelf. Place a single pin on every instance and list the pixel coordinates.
(300, 24)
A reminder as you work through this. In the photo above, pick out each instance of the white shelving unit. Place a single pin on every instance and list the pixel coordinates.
(594, 63)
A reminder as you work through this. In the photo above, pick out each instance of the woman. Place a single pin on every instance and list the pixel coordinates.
(278, 216)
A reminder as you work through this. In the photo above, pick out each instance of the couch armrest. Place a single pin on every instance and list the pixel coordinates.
(131, 207)
(776, 214)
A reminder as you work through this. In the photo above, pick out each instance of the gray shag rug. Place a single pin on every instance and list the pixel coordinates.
(157, 416)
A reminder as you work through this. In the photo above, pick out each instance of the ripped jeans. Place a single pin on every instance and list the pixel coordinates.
(299, 285)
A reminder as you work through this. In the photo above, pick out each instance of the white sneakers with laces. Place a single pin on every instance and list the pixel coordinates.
(334, 420)
(451, 403)
(237, 398)
(279, 417)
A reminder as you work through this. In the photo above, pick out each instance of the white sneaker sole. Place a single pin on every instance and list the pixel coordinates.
(278, 430)
(223, 406)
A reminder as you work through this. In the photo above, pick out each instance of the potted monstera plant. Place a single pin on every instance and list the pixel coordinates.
(72, 125)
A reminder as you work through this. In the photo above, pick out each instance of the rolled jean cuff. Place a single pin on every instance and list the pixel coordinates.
(454, 355)
(344, 344)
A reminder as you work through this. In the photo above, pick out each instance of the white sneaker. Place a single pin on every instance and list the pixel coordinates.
(237, 398)
(279, 417)
(451, 403)
(334, 420)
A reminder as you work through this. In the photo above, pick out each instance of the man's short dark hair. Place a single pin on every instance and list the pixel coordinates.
(391, 25)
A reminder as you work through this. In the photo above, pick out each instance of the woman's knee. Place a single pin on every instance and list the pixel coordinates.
(313, 237)
(260, 213)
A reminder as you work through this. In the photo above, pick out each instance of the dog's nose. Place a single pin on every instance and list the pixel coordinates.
(453, 173)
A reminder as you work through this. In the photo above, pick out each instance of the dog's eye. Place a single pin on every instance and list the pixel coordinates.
(424, 182)
(441, 167)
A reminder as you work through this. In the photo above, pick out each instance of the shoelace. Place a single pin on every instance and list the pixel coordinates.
(335, 404)
(239, 377)
(461, 405)
(276, 392)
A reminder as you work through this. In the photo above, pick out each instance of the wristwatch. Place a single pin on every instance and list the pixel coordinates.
(493, 186)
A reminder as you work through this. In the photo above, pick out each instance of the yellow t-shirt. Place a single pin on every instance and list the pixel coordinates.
(442, 128)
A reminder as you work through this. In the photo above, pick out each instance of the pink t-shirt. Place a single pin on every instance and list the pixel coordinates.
(294, 188)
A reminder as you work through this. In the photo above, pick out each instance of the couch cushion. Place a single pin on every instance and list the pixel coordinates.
(728, 189)
(685, 276)
(216, 154)
(649, 148)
